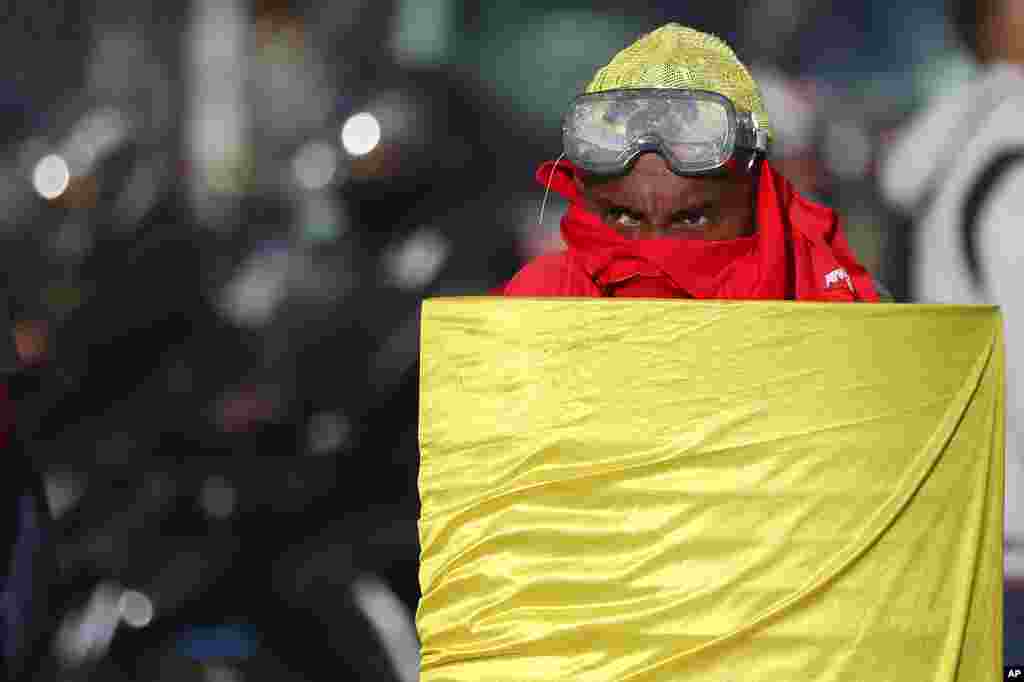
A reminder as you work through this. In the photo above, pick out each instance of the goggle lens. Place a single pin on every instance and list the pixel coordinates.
(698, 132)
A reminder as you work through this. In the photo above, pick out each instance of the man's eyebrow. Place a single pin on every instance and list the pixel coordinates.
(700, 205)
(613, 205)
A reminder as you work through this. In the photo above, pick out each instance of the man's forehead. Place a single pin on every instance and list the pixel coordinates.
(639, 192)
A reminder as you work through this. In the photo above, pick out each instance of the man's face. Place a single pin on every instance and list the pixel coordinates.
(652, 201)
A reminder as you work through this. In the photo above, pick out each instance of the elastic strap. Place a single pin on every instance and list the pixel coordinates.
(547, 190)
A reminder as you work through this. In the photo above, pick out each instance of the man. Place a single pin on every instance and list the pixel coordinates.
(959, 169)
(670, 192)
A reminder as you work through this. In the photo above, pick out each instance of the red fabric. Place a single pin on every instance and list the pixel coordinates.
(798, 252)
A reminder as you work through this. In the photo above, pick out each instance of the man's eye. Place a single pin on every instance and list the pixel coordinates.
(692, 219)
(624, 217)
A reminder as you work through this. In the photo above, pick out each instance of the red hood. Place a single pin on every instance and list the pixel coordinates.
(798, 251)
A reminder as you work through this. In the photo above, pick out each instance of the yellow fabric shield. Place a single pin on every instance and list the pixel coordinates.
(718, 491)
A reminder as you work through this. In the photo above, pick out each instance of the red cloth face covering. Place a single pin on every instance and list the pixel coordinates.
(798, 252)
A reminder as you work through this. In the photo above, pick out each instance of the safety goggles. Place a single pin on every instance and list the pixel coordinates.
(695, 131)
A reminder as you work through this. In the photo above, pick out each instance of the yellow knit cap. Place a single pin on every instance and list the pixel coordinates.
(679, 57)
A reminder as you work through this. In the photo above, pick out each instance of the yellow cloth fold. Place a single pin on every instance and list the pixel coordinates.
(687, 490)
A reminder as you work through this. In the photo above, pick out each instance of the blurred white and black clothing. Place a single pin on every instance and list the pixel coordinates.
(959, 169)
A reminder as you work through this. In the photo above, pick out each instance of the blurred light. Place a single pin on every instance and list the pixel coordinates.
(322, 217)
(535, 64)
(943, 73)
(217, 497)
(51, 176)
(73, 239)
(246, 407)
(769, 25)
(259, 287)
(403, 114)
(61, 298)
(318, 278)
(423, 30)
(217, 116)
(792, 111)
(140, 194)
(361, 134)
(222, 673)
(82, 191)
(396, 355)
(315, 165)
(63, 491)
(321, 231)
(94, 136)
(136, 608)
(124, 66)
(416, 262)
(219, 643)
(17, 196)
(30, 151)
(86, 635)
(327, 432)
(847, 150)
(292, 95)
(392, 623)
(281, 35)
(31, 340)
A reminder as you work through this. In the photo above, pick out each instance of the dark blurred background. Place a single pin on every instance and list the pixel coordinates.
(218, 219)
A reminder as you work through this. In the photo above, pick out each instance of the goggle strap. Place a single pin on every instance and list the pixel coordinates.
(547, 190)
(748, 134)
(753, 161)
(761, 140)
